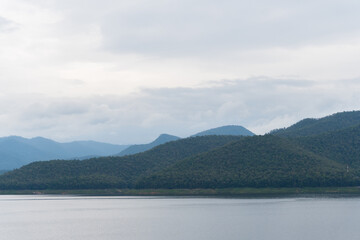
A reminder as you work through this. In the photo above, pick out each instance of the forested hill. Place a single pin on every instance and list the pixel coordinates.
(342, 146)
(107, 172)
(311, 126)
(262, 161)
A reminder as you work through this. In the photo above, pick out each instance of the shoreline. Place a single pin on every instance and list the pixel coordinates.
(226, 192)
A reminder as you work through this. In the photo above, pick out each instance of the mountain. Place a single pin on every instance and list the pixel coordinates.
(108, 172)
(312, 126)
(164, 138)
(260, 161)
(18, 151)
(311, 153)
(91, 148)
(133, 149)
(226, 130)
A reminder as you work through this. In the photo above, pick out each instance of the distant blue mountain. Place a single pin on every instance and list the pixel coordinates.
(133, 149)
(226, 130)
(17, 151)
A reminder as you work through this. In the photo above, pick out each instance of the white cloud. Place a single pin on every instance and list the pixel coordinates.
(123, 71)
(174, 28)
(260, 104)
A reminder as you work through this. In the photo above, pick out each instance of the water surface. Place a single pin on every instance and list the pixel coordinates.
(159, 218)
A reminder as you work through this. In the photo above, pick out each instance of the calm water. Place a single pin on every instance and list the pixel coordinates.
(52, 217)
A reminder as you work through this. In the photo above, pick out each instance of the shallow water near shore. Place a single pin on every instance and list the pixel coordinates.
(158, 218)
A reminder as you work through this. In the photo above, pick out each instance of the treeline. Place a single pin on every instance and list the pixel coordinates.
(312, 127)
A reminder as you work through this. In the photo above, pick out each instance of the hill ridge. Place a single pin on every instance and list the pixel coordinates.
(16, 151)
(314, 126)
(138, 148)
(235, 130)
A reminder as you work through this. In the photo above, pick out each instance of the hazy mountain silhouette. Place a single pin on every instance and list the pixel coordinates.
(17, 151)
(133, 149)
(226, 130)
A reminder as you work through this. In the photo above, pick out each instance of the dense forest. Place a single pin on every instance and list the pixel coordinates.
(311, 153)
(261, 161)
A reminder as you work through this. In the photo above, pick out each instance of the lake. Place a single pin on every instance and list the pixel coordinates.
(165, 218)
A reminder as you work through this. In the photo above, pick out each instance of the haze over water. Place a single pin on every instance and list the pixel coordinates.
(137, 218)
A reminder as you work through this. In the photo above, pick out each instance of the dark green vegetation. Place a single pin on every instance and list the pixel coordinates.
(311, 126)
(133, 149)
(261, 161)
(342, 146)
(312, 153)
(226, 130)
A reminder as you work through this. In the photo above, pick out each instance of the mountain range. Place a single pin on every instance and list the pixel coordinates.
(311, 153)
(163, 138)
(17, 151)
(107, 172)
(231, 130)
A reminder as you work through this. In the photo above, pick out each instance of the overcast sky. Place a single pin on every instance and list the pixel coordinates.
(126, 71)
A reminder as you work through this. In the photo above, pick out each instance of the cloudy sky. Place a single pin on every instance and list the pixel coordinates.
(126, 71)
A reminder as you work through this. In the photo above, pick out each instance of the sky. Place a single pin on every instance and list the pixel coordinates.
(126, 71)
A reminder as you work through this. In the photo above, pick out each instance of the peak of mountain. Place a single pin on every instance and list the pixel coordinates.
(41, 139)
(12, 138)
(133, 149)
(312, 126)
(164, 138)
(226, 130)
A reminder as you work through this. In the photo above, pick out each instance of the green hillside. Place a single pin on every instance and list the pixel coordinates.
(262, 161)
(311, 126)
(107, 172)
(342, 146)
